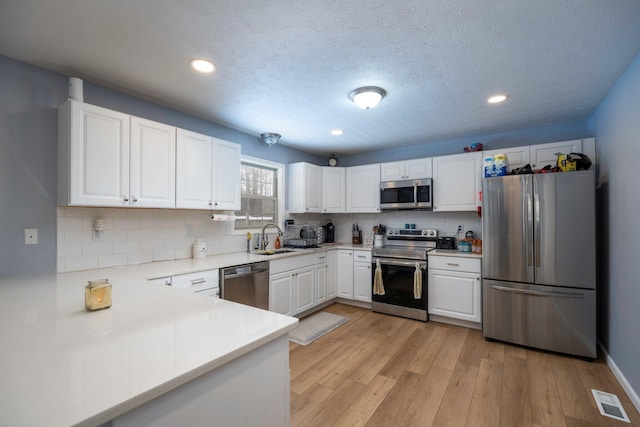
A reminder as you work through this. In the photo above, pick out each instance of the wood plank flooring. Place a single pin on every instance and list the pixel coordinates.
(379, 370)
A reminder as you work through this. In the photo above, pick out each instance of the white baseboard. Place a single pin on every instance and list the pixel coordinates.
(633, 396)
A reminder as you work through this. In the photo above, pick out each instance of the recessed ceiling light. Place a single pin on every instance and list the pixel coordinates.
(496, 99)
(202, 65)
(337, 132)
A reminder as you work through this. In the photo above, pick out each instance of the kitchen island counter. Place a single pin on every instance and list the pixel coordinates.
(62, 365)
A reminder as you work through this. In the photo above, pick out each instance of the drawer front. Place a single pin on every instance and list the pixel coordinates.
(321, 257)
(291, 263)
(361, 256)
(161, 281)
(196, 282)
(471, 265)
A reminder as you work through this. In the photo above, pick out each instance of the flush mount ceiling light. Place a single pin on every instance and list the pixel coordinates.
(270, 138)
(337, 132)
(202, 65)
(367, 97)
(496, 99)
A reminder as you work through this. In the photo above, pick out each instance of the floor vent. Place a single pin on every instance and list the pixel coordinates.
(609, 405)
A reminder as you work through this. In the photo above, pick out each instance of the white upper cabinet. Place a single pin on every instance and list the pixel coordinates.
(107, 158)
(456, 182)
(545, 154)
(93, 153)
(193, 170)
(152, 164)
(333, 190)
(207, 172)
(363, 188)
(541, 155)
(304, 183)
(226, 192)
(516, 157)
(408, 169)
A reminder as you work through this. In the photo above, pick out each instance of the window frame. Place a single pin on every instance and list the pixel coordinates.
(279, 169)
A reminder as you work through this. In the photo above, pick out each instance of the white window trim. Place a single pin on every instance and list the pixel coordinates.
(279, 168)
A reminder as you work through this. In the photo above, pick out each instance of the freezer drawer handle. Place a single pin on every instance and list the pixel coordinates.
(538, 293)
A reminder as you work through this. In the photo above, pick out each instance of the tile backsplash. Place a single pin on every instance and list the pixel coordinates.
(136, 236)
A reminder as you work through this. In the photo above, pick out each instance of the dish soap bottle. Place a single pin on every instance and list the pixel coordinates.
(277, 244)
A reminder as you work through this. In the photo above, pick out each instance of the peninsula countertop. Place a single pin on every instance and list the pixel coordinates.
(61, 365)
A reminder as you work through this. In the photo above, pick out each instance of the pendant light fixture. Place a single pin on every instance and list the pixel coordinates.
(270, 138)
(367, 97)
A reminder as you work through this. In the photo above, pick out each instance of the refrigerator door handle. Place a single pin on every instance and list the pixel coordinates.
(539, 293)
(536, 237)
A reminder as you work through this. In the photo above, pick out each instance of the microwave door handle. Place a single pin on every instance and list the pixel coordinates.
(415, 193)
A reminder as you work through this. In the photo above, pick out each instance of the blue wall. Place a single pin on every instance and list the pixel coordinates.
(616, 126)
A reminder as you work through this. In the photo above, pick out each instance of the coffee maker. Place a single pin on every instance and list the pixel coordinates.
(330, 232)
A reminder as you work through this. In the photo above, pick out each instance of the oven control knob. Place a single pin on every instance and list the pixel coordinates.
(424, 232)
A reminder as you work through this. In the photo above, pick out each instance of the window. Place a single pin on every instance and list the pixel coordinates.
(260, 192)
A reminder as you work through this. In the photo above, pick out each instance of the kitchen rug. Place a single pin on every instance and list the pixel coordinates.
(313, 327)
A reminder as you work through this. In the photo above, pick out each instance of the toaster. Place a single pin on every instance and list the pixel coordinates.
(446, 243)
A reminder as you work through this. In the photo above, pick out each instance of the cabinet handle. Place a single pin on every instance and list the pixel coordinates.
(210, 203)
(135, 199)
(361, 256)
(167, 283)
(198, 281)
(126, 199)
(455, 264)
(215, 203)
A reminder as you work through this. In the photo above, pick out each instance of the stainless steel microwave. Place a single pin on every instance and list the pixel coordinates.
(408, 194)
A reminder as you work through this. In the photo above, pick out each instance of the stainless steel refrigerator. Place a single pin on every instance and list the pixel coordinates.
(538, 261)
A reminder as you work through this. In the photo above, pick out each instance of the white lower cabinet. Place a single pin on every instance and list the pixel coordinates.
(303, 285)
(345, 273)
(298, 283)
(332, 274)
(455, 288)
(205, 283)
(281, 293)
(362, 276)
(321, 269)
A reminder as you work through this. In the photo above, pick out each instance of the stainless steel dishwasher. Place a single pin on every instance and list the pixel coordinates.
(247, 284)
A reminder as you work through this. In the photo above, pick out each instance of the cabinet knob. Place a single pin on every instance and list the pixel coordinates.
(126, 199)
(135, 199)
(215, 203)
(210, 203)
(167, 283)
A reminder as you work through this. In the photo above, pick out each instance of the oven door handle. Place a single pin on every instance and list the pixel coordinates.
(400, 263)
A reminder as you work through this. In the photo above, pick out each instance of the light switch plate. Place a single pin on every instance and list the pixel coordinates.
(30, 236)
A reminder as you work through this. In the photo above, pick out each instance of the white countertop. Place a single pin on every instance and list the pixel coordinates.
(61, 365)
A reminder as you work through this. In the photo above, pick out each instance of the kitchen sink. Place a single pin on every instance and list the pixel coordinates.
(275, 251)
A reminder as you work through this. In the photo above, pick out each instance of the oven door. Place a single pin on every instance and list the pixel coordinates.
(397, 279)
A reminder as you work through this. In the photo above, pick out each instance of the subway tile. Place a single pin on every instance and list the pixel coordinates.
(94, 249)
(69, 251)
(139, 234)
(84, 236)
(164, 255)
(125, 223)
(126, 247)
(66, 223)
(81, 263)
(105, 261)
(139, 258)
(115, 235)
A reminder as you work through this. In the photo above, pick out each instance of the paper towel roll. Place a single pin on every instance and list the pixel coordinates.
(76, 91)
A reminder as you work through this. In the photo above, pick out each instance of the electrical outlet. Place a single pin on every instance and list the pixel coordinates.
(30, 236)
(188, 231)
(459, 228)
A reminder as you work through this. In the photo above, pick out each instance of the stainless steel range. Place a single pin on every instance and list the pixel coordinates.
(403, 269)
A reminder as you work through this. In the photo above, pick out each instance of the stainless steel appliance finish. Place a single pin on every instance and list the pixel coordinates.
(408, 194)
(539, 261)
(300, 243)
(247, 284)
(398, 258)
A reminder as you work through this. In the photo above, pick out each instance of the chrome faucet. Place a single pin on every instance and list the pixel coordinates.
(265, 239)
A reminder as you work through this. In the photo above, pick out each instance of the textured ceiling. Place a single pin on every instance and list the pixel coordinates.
(288, 66)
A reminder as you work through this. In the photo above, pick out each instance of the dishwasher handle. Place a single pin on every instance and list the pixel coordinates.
(247, 273)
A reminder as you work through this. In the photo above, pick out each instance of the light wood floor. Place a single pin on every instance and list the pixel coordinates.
(380, 370)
